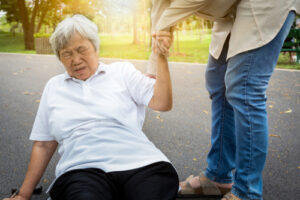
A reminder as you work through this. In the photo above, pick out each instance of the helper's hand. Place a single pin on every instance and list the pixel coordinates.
(161, 43)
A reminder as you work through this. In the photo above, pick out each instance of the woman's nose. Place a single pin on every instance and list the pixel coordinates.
(76, 59)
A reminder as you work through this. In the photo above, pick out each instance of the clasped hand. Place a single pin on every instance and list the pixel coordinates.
(161, 42)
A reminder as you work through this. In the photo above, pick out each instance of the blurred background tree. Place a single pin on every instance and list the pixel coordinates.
(113, 17)
(33, 14)
(125, 26)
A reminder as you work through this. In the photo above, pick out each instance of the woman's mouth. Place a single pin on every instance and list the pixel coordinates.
(79, 69)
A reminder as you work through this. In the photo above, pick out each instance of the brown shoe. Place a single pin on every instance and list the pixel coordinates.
(230, 196)
(206, 189)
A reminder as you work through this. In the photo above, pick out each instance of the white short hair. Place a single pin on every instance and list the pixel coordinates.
(70, 26)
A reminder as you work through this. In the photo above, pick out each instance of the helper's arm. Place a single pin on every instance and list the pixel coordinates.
(166, 14)
(206, 9)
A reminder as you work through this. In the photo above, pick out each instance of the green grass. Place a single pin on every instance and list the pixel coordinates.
(285, 63)
(122, 47)
(12, 44)
(191, 48)
(289, 66)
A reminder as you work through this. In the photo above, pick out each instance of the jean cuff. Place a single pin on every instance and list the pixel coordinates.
(237, 193)
(217, 179)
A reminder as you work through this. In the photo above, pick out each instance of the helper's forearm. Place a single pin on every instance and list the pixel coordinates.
(40, 156)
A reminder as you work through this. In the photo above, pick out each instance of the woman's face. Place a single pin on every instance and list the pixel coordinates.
(79, 57)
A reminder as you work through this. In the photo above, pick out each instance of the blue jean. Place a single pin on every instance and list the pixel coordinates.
(239, 139)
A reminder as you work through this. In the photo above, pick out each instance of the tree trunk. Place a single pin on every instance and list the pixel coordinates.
(44, 11)
(177, 41)
(28, 28)
(150, 30)
(135, 37)
(29, 39)
(41, 20)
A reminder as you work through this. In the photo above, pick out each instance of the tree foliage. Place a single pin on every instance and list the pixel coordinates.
(33, 14)
(111, 16)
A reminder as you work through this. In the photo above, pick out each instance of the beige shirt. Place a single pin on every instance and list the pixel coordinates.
(251, 23)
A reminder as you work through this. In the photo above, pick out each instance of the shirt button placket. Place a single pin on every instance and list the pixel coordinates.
(86, 90)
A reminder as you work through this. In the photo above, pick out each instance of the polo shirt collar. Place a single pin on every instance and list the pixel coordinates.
(101, 68)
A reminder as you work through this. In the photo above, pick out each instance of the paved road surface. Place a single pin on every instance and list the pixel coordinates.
(182, 134)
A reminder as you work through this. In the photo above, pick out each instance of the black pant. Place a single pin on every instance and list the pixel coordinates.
(158, 181)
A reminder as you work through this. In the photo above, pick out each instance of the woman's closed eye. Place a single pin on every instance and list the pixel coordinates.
(67, 54)
(82, 50)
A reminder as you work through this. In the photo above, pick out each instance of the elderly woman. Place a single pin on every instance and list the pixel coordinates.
(95, 112)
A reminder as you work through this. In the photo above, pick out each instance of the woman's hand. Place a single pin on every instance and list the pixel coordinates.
(162, 41)
(17, 197)
(42, 152)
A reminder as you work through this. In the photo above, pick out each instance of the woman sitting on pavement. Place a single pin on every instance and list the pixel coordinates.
(95, 113)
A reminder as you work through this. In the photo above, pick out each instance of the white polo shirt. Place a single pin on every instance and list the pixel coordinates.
(98, 122)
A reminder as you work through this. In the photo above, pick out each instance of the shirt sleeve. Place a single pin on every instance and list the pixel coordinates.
(180, 10)
(140, 87)
(40, 129)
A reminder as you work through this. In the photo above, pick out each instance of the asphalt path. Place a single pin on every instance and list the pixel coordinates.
(183, 134)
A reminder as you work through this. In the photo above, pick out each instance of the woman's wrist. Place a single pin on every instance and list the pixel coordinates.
(25, 193)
